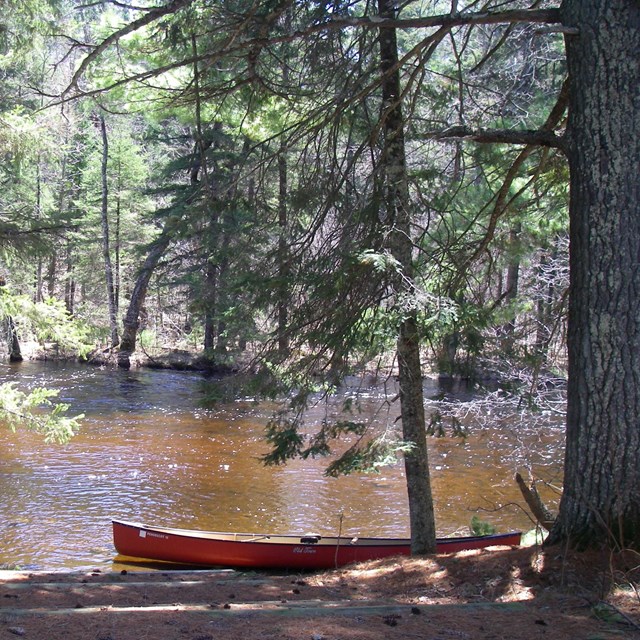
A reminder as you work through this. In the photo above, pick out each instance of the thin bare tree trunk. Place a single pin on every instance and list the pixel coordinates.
(106, 251)
(283, 225)
(70, 283)
(283, 250)
(511, 293)
(422, 520)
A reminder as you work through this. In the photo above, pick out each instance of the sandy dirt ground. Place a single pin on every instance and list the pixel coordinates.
(495, 594)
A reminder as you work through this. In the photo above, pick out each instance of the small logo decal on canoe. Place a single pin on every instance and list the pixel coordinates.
(303, 550)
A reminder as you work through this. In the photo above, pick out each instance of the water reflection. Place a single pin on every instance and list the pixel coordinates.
(148, 452)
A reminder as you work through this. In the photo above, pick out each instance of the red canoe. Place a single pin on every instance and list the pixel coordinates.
(208, 548)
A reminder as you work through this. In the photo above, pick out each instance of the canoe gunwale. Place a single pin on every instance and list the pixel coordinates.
(267, 538)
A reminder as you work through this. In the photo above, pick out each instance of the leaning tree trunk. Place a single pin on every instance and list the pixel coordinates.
(131, 320)
(601, 499)
(13, 342)
(421, 516)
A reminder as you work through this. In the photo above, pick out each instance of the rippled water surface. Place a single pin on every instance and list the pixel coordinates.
(148, 452)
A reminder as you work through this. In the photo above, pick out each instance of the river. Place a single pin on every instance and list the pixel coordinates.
(149, 452)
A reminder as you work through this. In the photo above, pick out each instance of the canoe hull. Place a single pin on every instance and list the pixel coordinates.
(205, 548)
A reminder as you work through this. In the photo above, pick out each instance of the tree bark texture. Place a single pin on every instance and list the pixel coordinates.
(393, 162)
(601, 500)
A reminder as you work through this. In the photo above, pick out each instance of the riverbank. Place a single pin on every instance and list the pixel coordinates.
(173, 359)
(522, 593)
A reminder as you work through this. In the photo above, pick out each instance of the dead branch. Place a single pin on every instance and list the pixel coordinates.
(544, 517)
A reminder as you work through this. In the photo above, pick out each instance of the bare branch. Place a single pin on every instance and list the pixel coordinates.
(536, 137)
(122, 5)
(544, 136)
(542, 16)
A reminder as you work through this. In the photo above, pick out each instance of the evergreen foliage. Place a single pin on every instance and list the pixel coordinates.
(36, 411)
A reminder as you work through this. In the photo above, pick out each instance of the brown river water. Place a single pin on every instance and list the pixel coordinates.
(149, 452)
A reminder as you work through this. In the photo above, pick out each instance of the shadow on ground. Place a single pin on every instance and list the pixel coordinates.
(491, 594)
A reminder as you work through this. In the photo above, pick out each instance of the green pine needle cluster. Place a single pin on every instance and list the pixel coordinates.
(35, 411)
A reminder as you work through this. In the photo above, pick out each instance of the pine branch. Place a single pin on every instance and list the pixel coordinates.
(235, 43)
(35, 411)
(501, 206)
(150, 17)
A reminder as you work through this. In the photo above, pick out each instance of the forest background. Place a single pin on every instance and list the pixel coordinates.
(309, 187)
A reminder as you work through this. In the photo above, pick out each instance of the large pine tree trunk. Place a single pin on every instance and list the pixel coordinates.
(421, 516)
(601, 499)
